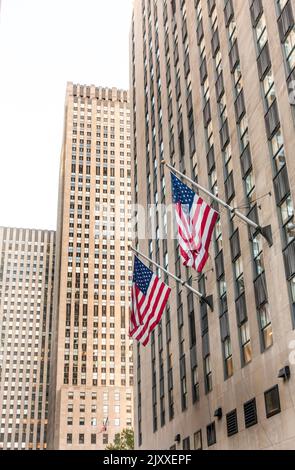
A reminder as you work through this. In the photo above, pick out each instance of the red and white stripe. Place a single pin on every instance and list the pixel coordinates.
(146, 310)
(195, 231)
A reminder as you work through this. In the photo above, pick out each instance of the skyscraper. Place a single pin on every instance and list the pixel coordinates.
(26, 290)
(212, 93)
(92, 371)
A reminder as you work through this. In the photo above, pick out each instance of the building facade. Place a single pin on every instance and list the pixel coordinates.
(26, 291)
(92, 369)
(212, 93)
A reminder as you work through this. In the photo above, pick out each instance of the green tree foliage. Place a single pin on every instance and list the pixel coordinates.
(123, 440)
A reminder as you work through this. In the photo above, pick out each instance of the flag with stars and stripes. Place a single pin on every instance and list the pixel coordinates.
(195, 222)
(149, 297)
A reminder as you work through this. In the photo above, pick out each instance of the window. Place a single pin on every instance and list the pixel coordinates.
(240, 286)
(211, 434)
(208, 374)
(69, 438)
(93, 438)
(265, 325)
(186, 443)
(272, 401)
(278, 150)
(81, 438)
(269, 88)
(228, 358)
(198, 440)
(258, 253)
(261, 32)
(105, 438)
(287, 214)
(246, 342)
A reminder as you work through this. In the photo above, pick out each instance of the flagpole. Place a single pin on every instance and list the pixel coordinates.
(265, 231)
(207, 300)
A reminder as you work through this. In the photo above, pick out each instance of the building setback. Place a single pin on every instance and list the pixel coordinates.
(92, 371)
(26, 290)
(211, 93)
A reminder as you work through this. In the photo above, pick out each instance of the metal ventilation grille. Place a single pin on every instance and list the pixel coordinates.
(232, 423)
(250, 413)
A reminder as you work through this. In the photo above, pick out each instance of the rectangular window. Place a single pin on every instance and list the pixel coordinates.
(211, 434)
(186, 443)
(265, 326)
(246, 342)
(272, 401)
(208, 374)
(198, 440)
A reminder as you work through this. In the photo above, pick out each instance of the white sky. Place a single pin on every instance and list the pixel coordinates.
(44, 44)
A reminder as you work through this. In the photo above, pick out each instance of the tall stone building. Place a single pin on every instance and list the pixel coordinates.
(26, 291)
(212, 93)
(92, 372)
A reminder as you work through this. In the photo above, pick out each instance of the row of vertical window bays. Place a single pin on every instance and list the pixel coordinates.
(287, 207)
(276, 140)
(105, 132)
(17, 444)
(108, 118)
(285, 27)
(96, 132)
(93, 422)
(23, 404)
(80, 439)
(100, 109)
(107, 171)
(266, 338)
(90, 142)
(81, 186)
(106, 104)
(94, 381)
(124, 117)
(27, 423)
(101, 207)
(25, 238)
(278, 156)
(88, 151)
(74, 357)
(104, 373)
(236, 58)
(105, 161)
(98, 248)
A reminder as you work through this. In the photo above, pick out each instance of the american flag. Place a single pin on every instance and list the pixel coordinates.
(195, 221)
(149, 297)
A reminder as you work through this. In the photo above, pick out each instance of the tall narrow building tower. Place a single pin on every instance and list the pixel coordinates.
(91, 394)
(26, 290)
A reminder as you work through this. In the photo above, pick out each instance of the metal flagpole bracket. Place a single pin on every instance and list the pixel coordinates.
(209, 301)
(266, 232)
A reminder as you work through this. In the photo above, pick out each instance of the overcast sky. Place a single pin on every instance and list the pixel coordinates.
(44, 44)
